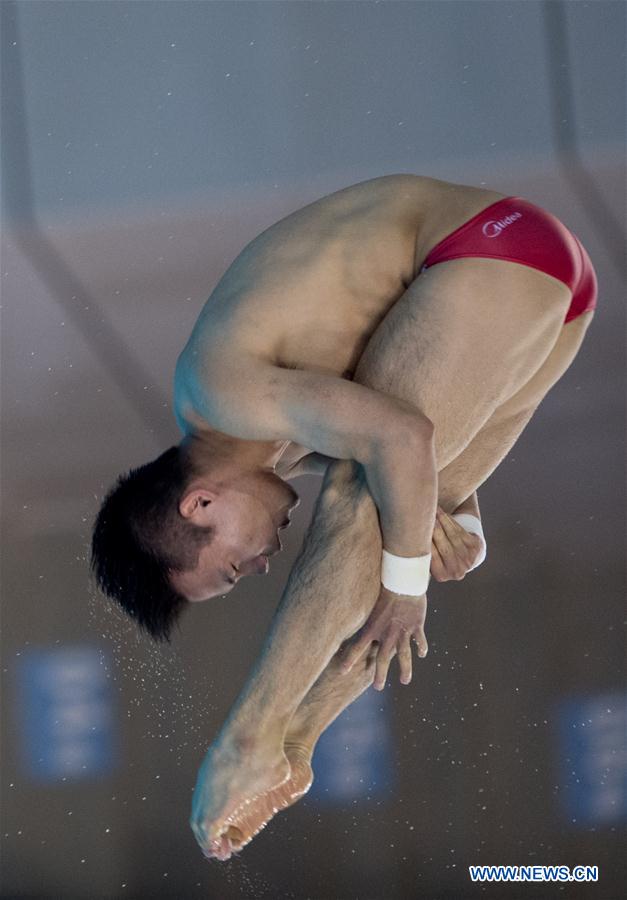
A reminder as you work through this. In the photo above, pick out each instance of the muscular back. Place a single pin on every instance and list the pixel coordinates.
(309, 291)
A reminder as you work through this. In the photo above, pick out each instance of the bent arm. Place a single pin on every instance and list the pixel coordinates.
(390, 438)
(403, 481)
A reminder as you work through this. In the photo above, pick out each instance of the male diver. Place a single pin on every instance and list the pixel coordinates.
(397, 336)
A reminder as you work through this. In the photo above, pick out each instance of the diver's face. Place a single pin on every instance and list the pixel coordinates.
(246, 518)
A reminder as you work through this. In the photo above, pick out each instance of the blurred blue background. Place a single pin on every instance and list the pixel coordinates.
(143, 145)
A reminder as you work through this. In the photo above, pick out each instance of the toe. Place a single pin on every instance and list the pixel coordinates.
(219, 848)
(225, 848)
(235, 837)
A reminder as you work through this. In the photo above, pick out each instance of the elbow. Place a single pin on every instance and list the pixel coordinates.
(419, 430)
(418, 442)
(403, 432)
(407, 437)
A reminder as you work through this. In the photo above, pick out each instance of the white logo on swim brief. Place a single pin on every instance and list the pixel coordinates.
(495, 226)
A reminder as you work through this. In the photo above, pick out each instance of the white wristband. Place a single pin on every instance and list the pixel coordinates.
(408, 575)
(473, 526)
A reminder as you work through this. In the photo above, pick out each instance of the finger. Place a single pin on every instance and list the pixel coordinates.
(458, 534)
(404, 658)
(450, 525)
(439, 538)
(455, 532)
(384, 658)
(451, 533)
(421, 641)
(355, 653)
(435, 548)
(437, 568)
(457, 548)
(444, 546)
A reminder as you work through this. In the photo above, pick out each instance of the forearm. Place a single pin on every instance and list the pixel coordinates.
(330, 592)
(403, 479)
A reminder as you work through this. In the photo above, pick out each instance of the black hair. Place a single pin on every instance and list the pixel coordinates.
(140, 537)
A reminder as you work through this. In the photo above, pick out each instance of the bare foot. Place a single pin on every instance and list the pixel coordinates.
(253, 815)
(230, 773)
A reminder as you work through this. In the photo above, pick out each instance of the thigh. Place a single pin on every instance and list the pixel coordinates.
(463, 339)
(492, 443)
(559, 360)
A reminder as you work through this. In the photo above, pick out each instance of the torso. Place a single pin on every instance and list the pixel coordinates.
(310, 290)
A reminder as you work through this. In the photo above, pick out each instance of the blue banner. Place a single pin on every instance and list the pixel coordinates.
(593, 759)
(354, 756)
(65, 714)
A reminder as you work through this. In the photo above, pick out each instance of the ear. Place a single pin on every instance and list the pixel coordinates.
(196, 503)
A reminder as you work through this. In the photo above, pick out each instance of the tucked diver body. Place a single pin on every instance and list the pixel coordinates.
(272, 354)
(396, 336)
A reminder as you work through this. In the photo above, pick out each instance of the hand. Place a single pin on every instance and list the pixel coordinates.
(454, 550)
(394, 620)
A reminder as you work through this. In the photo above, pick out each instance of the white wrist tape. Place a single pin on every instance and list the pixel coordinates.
(407, 575)
(473, 526)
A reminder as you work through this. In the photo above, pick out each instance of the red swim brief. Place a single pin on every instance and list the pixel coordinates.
(522, 232)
